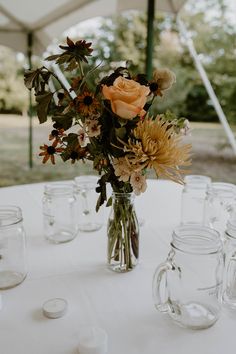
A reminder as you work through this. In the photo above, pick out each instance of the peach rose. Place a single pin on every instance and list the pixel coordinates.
(127, 97)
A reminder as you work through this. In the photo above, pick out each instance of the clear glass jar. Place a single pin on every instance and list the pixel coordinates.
(220, 201)
(193, 199)
(122, 233)
(59, 212)
(86, 199)
(229, 287)
(188, 286)
(13, 267)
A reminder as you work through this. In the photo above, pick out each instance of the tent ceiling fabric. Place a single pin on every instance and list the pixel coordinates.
(48, 19)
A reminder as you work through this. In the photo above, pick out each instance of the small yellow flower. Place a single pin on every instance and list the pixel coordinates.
(49, 151)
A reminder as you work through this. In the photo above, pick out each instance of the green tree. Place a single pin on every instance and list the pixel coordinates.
(214, 35)
(124, 37)
(13, 96)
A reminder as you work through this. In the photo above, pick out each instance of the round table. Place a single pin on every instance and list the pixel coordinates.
(120, 303)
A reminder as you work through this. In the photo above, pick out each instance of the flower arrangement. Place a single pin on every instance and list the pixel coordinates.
(110, 125)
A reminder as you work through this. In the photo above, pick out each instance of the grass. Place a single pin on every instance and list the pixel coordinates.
(14, 161)
(212, 155)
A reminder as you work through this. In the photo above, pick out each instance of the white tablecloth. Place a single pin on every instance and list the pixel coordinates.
(120, 303)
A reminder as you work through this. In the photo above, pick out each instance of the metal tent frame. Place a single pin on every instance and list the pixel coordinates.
(187, 40)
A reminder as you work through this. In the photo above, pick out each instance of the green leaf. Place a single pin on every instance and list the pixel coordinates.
(109, 202)
(43, 101)
(71, 139)
(65, 155)
(72, 65)
(37, 79)
(52, 57)
(94, 147)
(99, 203)
(31, 77)
(63, 120)
(120, 132)
(64, 58)
(122, 121)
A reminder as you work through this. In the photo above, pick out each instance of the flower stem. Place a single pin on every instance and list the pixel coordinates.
(123, 235)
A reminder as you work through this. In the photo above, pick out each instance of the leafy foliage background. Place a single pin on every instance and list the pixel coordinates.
(120, 38)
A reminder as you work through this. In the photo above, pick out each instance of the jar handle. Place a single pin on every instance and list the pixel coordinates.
(231, 277)
(160, 300)
(85, 205)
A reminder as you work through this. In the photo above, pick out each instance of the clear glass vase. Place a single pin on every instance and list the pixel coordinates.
(123, 234)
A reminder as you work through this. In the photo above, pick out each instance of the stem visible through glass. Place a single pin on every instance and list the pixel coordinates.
(123, 235)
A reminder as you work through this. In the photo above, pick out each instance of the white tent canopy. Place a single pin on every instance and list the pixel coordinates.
(48, 19)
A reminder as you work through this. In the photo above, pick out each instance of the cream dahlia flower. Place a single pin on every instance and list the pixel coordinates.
(160, 148)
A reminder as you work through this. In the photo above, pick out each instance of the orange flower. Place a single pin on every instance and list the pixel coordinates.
(57, 134)
(87, 104)
(127, 97)
(78, 153)
(49, 151)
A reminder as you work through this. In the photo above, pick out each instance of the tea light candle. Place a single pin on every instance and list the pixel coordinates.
(55, 308)
(92, 340)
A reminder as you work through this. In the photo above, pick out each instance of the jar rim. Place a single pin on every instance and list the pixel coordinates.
(10, 215)
(197, 180)
(196, 239)
(86, 181)
(59, 188)
(223, 188)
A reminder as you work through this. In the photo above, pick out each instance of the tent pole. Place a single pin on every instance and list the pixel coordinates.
(207, 84)
(62, 78)
(149, 47)
(30, 111)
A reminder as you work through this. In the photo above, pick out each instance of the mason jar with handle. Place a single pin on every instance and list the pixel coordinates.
(188, 286)
(220, 205)
(229, 287)
(13, 268)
